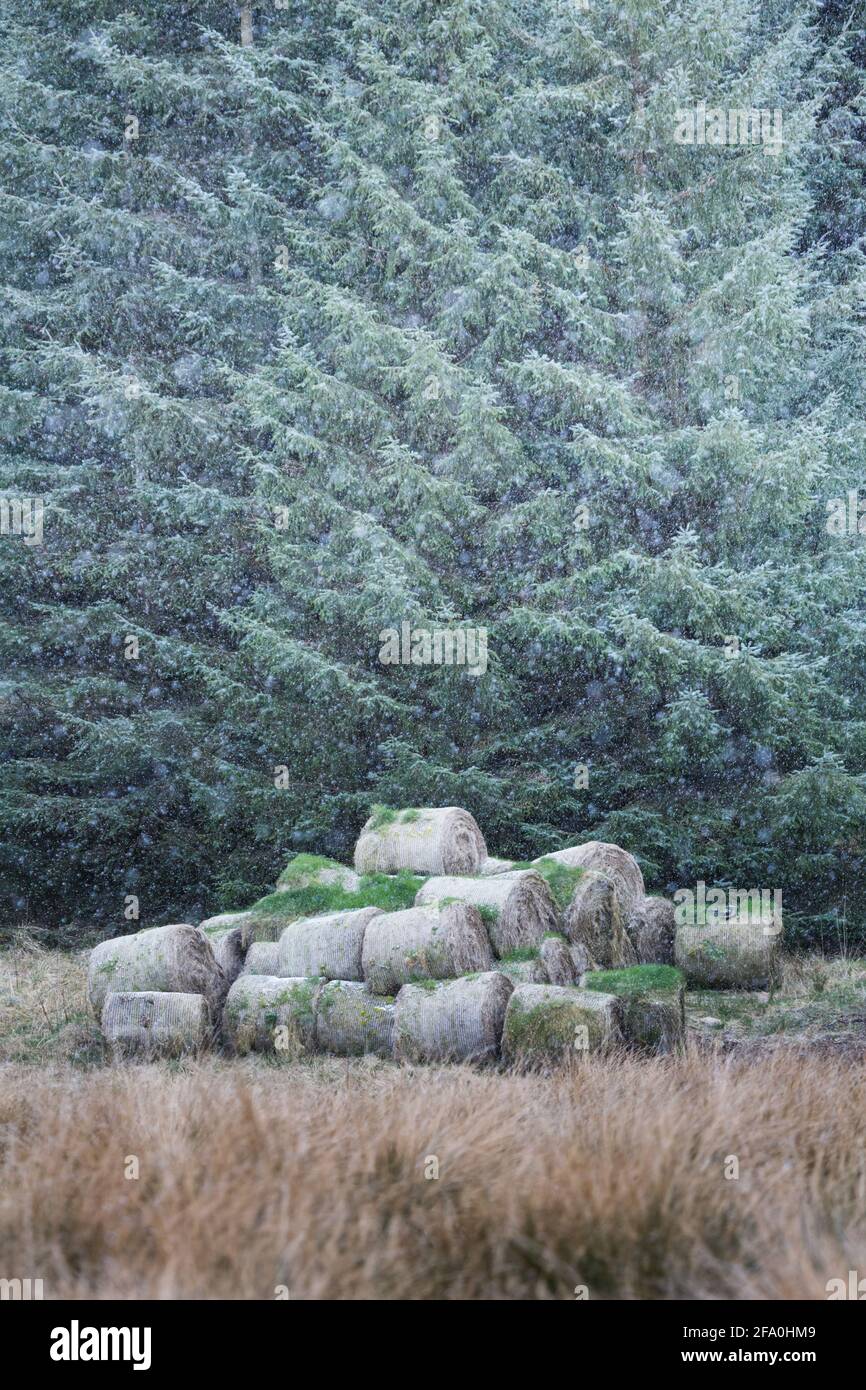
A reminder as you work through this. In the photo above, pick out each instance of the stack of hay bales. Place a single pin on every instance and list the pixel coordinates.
(485, 962)
(517, 908)
(729, 955)
(168, 965)
(548, 1025)
(652, 999)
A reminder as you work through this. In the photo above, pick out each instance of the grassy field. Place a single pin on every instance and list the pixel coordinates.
(238, 1179)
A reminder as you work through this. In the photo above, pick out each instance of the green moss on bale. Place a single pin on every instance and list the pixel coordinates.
(305, 864)
(636, 979)
(560, 879)
(391, 892)
(545, 1029)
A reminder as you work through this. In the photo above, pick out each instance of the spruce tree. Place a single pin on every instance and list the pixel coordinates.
(419, 312)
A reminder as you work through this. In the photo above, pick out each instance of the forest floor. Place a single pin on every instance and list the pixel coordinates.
(736, 1170)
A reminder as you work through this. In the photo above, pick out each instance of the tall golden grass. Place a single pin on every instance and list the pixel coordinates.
(314, 1177)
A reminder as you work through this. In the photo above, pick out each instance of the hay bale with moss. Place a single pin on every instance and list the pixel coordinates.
(651, 929)
(267, 1013)
(593, 923)
(146, 1024)
(616, 864)
(523, 967)
(653, 1003)
(551, 1024)
(304, 870)
(177, 959)
(517, 908)
(492, 866)
(728, 955)
(424, 942)
(263, 958)
(427, 840)
(452, 1021)
(329, 946)
(350, 1021)
(228, 947)
(556, 961)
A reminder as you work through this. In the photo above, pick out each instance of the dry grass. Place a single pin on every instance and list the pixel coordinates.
(311, 1175)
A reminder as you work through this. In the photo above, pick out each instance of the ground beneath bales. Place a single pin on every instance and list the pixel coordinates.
(734, 1171)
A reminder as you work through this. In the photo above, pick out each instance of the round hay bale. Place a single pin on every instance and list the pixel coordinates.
(228, 948)
(549, 1024)
(147, 1024)
(522, 970)
(263, 958)
(267, 1013)
(429, 840)
(215, 926)
(517, 909)
(651, 930)
(593, 921)
(329, 946)
(491, 866)
(616, 864)
(428, 942)
(177, 959)
(351, 1022)
(307, 869)
(556, 961)
(728, 955)
(653, 1004)
(454, 1021)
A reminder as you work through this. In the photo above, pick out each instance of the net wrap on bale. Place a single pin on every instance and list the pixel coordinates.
(263, 958)
(351, 1022)
(452, 1021)
(147, 1024)
(729, 955)
(176, 959)
(517, 908)
(552, 1024)
(615, 863)
(424, 942)
(593, 923)
(329, 945)
(266, 1013)
(440, 840)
